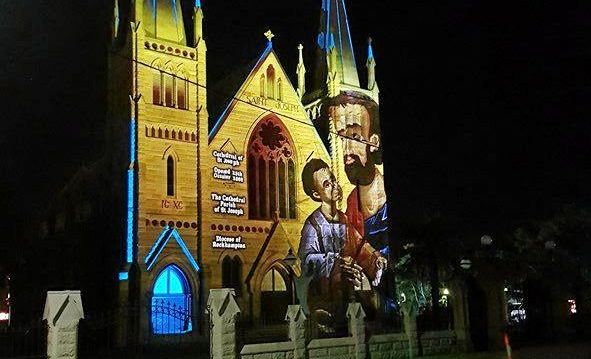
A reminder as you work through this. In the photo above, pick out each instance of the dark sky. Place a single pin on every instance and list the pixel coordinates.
(485, 105)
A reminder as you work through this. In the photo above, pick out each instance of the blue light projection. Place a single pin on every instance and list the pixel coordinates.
(123, 275)
(197, 3)
(369, 51)
(131, 191)
(161, 243)
(222, 118)
(171, 302)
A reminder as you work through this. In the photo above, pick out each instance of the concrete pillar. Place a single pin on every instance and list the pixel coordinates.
(63, 311)
(459, 303)
(297, 330)
(409, 316)
(496, 312)
(223, 310)
(356, 316)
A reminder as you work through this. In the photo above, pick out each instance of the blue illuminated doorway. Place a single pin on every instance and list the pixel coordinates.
(171, 302)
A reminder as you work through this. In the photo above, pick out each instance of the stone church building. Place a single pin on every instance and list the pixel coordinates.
(192, 194)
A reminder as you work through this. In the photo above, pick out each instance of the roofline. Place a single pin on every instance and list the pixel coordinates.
(218, 124)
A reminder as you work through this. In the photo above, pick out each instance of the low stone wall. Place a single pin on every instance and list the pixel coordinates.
(396, 346)
(332, 348)
(389, 346)
(441, 342)
(279, 350)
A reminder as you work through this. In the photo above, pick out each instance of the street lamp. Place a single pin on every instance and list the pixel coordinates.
(486, 240)
(466, 264)
(290, 260)
(550, 245)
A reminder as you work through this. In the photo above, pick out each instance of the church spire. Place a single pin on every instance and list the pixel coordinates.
(197, 23)
(301, 72)
(163, 19)
(115, 24)
(335, 35)
(371, 66)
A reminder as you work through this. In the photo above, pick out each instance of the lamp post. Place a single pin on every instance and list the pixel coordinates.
(290, 260)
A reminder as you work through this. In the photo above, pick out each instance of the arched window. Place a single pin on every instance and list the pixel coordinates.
(170, 176)
(232, 273)
(275, 295)
(273, 282)
(156, 88)
(262, 85)
(279, 89)
(270, 81)
(171, 302)
(168, 90)
(181, 93)
(271, 171)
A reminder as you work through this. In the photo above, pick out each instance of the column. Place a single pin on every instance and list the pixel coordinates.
(63, 311)
(223, 310)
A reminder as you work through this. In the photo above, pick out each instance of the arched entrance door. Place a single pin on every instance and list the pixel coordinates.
(275, 295)
(171, 302)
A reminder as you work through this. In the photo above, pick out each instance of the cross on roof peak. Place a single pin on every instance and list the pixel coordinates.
(269, 35)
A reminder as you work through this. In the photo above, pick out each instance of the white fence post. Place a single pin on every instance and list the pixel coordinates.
(63, 311)
(223, 310)
(356, 316)
(297, 330)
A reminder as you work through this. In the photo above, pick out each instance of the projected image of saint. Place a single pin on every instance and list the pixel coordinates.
(357, 124)
(333, 254)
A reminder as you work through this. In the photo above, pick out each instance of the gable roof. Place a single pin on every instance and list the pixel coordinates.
(239, 80)
(161, 243)
(234, 80)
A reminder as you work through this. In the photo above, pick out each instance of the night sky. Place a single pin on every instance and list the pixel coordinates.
(484, 105)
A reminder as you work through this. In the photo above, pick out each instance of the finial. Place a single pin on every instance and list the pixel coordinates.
(369, 48)
(269, 35)
(300, 47)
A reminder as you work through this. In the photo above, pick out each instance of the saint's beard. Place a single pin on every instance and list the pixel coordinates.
(359, 174)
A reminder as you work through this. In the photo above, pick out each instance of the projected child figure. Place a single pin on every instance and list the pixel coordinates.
(333, 253)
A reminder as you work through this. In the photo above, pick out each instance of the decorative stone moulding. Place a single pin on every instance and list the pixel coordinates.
(172, 50)
(177, 224)
(248, 229)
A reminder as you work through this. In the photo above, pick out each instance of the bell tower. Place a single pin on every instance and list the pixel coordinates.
(157, 129)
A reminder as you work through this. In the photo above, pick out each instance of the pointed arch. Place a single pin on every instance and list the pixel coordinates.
(170, 176)
(279, 89)
(171, 302)
(270, 153)
(275, 288)
(232, 273)
(270, 81)
(182, 99)
(169, 84)
(171, 163)
(262, 85)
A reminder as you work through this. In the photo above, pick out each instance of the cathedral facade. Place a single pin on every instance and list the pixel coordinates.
(225, 195)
